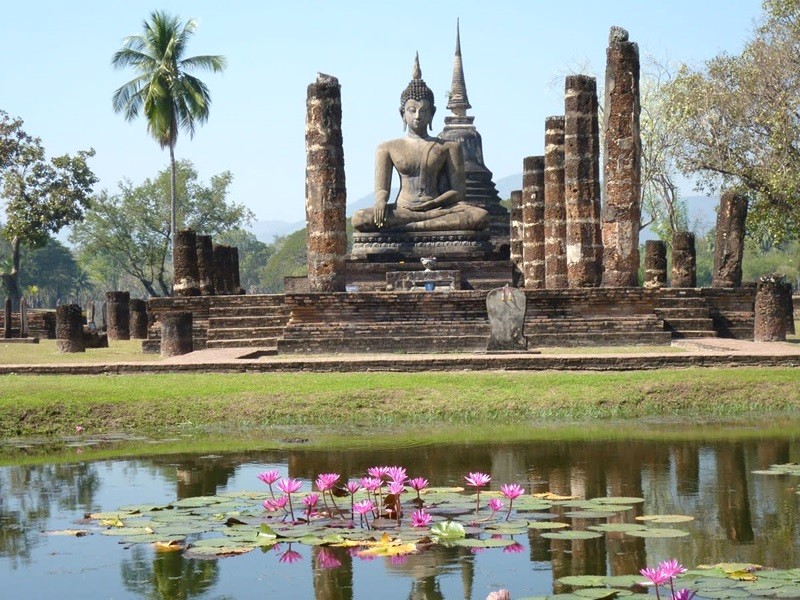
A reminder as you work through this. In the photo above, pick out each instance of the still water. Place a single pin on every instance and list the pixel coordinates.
(739, 516)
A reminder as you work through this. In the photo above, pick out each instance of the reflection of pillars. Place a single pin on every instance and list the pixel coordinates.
(561, 560)
(772, 453)
(539, 546)
(577, 557)
(332, 582)
(627, 554)
(559, 481)
(687, 468)
(467, 575)
(733, 498)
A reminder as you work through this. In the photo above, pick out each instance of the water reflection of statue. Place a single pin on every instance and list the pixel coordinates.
(432, 184)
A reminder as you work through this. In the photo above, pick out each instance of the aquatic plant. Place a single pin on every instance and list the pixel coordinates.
(477, 480)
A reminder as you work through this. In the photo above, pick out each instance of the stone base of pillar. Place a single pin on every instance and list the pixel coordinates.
(176, 334)
(69, 328)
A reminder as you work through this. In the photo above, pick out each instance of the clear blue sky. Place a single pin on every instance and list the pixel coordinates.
(56, 75)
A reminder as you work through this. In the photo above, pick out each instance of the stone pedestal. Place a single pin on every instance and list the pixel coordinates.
(555, 216)
(506, 308)
(69, 328)
(118, 314)
(533, 222)
(582, 182)
(423, 281)
(325, 186)
(138, 326)
(414, 245)
(729, 243)
(205, 264)
(176, 333)
(187, 275)
(515, 231)
(621, 163)
(771, 310)
(684, 260)
(655, 264)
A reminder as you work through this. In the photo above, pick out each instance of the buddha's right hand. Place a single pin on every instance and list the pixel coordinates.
(380, 213)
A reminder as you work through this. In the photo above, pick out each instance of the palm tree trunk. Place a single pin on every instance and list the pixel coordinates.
(11, 280)
(173, 199)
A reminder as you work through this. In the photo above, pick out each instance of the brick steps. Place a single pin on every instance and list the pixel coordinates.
(232, 333)
(685, 313)
(263, 343)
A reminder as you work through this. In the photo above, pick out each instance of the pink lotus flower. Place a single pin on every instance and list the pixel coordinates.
(477, 480)
(290, 556)
(514, 548)
(371, 483)
(274, 504)
(495, 504)
(419, 518)
(363, 507)
(378, 472)
(511, 490)
(289, 485)
(326, 481)
(418, 483)
(269, 477)
(671, 568)
(683, 594)
(310, 500)
(396, 488)
(656, 576)
(353, 487)
(327, 560)
(397, 474)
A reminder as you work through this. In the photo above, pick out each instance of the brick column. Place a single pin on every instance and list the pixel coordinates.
(533, 222)
(325, 186)
(770, 310)
(555, 216)
(205, 264)
(187, 275)
(236, 284)
(176, 334)
(118, 315)
(582, 182)
(622, 163)
(516, 230)
(69, 328)
(684, 260)
(7, 319)
(220, 254)
(729, 244)
(655, 264)
(138, 321)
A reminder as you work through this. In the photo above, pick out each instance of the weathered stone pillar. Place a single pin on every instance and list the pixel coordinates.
(655, 264)
(220, 267)
(69, 328)
(684, 260)
(205, 264)
(622, 163)
(228, 276)
(118, 315)
(236, 282)
(789, 303)
(555, 216)
(176, 333)
(187, 275)
(770, 319)
(23, 315)
(326, 195)
(138, 327)
(533, 222)
(7, 319)
(729, 244)
(515, 230)
(90, 314)
(582, 182)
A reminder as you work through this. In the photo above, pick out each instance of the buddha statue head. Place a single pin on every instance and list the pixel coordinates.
(422, 95)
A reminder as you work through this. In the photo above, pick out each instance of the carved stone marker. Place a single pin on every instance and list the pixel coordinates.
(118, 314)
(187, 274)
(138, 319)
(621, 163)
(23, 317)
(69, 328)
(7, 319)
(655, 264)
(326, 195)
(516, 231)
(729, 243)
(506, 307)
(771, 318)
(582, 182)
(205, 264)
(684, 260)
(176, 333)
(533, 222)
(555, 216)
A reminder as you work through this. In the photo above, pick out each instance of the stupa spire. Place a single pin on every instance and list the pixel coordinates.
(458, 102)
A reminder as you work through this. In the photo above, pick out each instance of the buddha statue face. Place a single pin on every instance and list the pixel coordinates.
(417, 115)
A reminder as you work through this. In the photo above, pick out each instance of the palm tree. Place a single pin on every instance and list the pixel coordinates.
(163, 89)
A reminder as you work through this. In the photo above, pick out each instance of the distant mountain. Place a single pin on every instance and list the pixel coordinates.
(266, 231)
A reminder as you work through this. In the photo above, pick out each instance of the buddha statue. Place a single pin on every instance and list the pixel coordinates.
(432, 183)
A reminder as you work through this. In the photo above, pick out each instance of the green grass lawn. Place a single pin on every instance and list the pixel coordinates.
(45, 353)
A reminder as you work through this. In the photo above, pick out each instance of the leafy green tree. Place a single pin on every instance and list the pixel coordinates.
(737, 119)
(41, 196)
(164, 90)
(127, 231)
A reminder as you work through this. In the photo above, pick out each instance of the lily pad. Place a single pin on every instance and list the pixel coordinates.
(547, 525)
(658, 533)
(588, 514)
(128, 531)
(572, 535)
(489, 543)
(729, 593)
(616, 527)
(619, 500)
(597, 593)
(583, 580)
(624, 581)
(665, 518)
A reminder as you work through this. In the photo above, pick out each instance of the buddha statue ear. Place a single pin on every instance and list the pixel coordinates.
(433, 112)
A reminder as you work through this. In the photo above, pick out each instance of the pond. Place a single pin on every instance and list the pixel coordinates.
(702, 472)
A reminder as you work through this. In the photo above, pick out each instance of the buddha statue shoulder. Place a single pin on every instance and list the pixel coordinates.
(431, 170)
